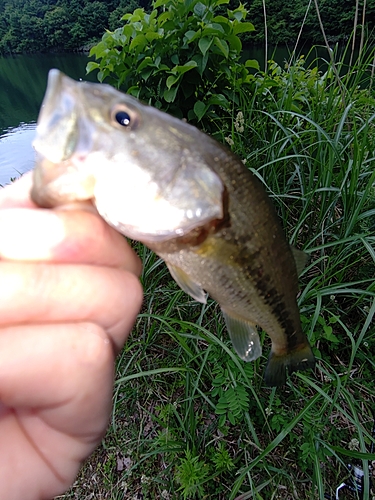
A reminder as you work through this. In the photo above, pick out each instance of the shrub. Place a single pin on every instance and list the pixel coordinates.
(183, 57)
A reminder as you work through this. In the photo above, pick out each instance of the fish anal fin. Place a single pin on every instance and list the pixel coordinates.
(187, 284)
(297, 360)
(300, 258)
(244, 336)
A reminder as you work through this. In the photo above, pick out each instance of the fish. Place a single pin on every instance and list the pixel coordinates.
(161, 181)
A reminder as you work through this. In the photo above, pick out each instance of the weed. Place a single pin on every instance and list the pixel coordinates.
(190, 474)
(198, 420)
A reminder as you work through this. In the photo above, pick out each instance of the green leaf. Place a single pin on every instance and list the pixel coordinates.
(243, 28)
(222, 421)
(200, 111)
(222, 46)
(134, 91)
(128, 31)
(145, 74)
(159, 3)
(170, 94)
(164, 16)
(220, 411)
(231, 395)
(137, 25)
(235, 43)
(213, 29)
(329, 335)
(231, 418)
(252, 63)
(221, 19)
(153, 15)
(218, 381)
(354, 454)
(201, 62)
(220, 407)
(204, 44)
(327, 330)
(171, 80)
(192, 35)
(238, 15)
(140, 41)
(147, 61)
(218, 99)
(99, 50)
(119, 37)
(221, 24)
(333, 319)
(102, 74)
(227, 70)
(199, 9)
(139, 13)
(152, 35)
(91, 66)
(163, 67)
(185, 67)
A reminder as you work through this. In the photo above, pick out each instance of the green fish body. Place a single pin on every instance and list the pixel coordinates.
(163, 182)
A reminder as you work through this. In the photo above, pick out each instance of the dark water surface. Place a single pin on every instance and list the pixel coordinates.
(23, 81)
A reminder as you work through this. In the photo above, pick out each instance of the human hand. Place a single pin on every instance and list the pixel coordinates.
(69, 295)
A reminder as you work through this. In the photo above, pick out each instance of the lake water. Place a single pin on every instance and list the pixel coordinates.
(23, 82)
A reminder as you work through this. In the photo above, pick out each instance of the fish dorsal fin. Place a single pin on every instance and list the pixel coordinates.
(244, 336)
(300, 258)
(187, 284)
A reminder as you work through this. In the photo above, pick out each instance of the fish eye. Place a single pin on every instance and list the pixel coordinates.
(124, 117)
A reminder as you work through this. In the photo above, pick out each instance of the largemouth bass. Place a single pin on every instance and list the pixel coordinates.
(161, 181)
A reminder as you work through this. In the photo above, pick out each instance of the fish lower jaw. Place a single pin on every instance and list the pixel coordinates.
(51, 189)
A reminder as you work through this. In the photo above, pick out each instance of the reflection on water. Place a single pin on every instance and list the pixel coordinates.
(16, 153)
(23, 80)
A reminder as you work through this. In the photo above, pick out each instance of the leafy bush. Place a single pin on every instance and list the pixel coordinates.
(183, 57)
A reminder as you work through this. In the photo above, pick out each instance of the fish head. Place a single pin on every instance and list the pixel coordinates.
(146, 172)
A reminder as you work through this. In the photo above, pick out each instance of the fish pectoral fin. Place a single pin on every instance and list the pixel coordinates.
(244, 336)
(187, 284)
(300, 258)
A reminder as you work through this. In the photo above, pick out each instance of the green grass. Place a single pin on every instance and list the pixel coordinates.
(190, 419)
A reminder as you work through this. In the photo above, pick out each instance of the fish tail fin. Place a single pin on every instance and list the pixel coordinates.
(298, 359)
